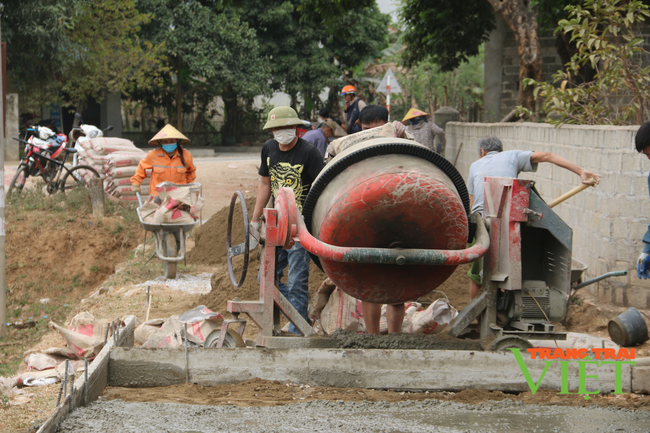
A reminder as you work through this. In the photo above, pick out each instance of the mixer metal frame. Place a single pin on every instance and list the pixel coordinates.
(283, 225)
(510, 205)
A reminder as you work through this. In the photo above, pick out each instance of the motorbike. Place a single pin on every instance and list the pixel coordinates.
(81, 131)
(47, 143)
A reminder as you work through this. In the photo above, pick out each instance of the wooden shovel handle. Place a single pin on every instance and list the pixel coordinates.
(571, 193)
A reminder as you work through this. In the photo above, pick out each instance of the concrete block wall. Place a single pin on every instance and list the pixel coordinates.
(609, 221)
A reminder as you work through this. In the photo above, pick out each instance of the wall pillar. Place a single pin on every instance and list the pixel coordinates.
(111, 114)
(13, 119)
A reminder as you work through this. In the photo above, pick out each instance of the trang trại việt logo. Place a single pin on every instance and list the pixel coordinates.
(566, 356)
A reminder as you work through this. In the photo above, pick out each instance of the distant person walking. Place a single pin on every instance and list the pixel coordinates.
(424, 131)
(320, 137)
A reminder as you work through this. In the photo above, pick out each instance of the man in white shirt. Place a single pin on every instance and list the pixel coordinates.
(494, 162)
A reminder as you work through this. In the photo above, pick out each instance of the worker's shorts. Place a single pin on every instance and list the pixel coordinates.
(475, 271)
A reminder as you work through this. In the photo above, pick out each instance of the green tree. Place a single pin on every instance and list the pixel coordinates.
(606, 36)
(75, 47)
(305, 57)
(450, 31)
(209, 51)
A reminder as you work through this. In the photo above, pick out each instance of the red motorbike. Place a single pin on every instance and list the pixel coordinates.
(47, 160)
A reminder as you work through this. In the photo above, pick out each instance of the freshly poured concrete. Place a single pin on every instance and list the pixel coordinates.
(340, 417)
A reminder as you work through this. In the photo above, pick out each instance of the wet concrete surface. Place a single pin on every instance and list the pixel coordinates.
(352, 340)
(340, 417)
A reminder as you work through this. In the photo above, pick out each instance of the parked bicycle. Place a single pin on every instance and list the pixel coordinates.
(39, 161)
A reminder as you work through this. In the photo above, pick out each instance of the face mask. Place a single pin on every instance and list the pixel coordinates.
(322, 120)
(284, 136)
(415, 121)
(169, 147)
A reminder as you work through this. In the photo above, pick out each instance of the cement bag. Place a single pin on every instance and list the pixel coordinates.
(112, 145)
(170, 212)
(85, 323)
(169, 335)
(147, 330)
(126, 190)
(187, 194)
(82, 345)
(91, 155)
(120, 172)
(83, 143)
(342, 311)
(201, 322)
(112, 184)
(431, 320)
(42, 361)
(122, 159)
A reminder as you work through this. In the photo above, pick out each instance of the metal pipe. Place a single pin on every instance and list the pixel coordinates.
(602, 277)
(396, 256)
(106, 333)
(64, 383)
(187, 359)
(71, 390)
(85, 381)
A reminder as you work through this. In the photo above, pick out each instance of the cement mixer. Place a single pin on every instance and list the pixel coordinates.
(386, 220)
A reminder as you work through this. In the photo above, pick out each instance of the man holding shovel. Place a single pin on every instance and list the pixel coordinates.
(494, 162)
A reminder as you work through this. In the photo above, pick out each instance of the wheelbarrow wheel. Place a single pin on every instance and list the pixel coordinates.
(169, 250)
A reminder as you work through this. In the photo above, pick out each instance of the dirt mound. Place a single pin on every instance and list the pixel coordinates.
(210, 238)
(48, 257)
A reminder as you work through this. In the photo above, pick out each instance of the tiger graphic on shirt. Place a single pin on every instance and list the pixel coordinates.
(286, 175)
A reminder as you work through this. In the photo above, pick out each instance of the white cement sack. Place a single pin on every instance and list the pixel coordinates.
(122, 159)
(121, 172)
(113, 144)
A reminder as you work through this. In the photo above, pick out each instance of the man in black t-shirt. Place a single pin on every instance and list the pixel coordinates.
(288, 161)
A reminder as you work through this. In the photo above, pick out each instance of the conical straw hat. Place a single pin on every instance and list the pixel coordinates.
(414, 112)
(169, 132)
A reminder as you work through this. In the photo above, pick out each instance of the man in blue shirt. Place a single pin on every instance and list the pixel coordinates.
(494, 162)
(320, 137)
(642, 144)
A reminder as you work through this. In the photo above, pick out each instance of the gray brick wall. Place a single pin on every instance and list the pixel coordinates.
(609, 221)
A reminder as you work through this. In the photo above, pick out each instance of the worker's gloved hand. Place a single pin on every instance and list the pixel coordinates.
(135, 187)
(399, 129)
(643, 266)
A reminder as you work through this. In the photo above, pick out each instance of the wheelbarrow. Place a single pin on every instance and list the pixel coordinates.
(169, 241)
(577, 268)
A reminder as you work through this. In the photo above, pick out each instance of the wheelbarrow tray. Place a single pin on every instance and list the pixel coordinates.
(158, 229)
(577, 268)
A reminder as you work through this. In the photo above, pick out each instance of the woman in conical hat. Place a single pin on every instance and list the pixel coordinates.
(423, 131)
(169, 162)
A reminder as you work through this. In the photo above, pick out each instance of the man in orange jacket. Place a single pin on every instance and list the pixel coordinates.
(170, 162)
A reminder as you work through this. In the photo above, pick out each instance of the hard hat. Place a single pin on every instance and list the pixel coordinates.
(282, 116)
(348, 90)
(412, 113)
(169, 132)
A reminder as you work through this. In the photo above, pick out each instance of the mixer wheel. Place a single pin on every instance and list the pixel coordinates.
(238, 283)
(232, 340)
(503, 343)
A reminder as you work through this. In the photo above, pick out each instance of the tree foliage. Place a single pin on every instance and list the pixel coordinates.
(446, 32)
(604, 33)
(208, 51)
(75, 47)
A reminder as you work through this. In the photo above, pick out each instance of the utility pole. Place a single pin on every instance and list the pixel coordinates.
(3, 269)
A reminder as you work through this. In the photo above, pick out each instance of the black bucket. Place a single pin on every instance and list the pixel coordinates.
(628, 328)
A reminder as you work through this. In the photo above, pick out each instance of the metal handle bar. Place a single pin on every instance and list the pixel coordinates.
(395, 256)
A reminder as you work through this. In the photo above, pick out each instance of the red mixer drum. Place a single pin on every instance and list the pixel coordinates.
(394, 194)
